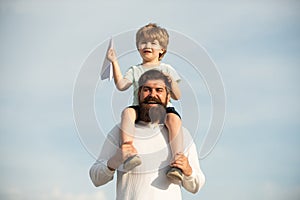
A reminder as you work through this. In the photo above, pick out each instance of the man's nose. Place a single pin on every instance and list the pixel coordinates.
(153, 93)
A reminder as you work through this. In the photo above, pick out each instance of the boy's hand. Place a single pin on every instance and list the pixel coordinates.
(170, 80)
(111, 55)
(175, 91)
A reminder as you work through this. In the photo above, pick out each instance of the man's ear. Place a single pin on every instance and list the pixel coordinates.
(168, 97)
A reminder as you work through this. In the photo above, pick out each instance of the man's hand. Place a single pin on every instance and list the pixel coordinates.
(181, 162)
(111, 55)
(127, 150)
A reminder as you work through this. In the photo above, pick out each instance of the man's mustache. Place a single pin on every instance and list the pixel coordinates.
(152, 100)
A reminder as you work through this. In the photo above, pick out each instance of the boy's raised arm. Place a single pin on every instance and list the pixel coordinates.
(120, 82)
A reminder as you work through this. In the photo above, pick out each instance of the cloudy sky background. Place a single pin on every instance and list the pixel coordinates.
(255, 45)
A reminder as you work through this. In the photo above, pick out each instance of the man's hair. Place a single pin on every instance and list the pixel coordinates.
(154, 32)
(154, 74)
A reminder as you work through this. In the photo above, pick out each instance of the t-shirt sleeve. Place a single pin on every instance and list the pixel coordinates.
(99, 172)
(196, 181)
(129, 74)
(173, 73)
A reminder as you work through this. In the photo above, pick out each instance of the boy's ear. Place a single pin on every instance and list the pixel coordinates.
(162, 53)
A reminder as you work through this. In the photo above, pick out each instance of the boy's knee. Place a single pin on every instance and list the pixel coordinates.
(173, 118)
(128, 113)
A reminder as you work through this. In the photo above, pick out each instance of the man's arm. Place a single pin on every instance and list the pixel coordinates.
(100, 174)
(182, 162)
(193, 178)
(111, 157)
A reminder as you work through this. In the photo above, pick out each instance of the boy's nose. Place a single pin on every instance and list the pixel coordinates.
(148, 45)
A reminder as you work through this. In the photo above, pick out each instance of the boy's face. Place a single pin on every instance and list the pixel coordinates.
(148, 43)
(149, 50)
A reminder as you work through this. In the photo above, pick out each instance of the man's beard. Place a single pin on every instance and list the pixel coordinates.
(150, 113)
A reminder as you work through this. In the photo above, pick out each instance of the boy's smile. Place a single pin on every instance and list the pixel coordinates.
(149, 51)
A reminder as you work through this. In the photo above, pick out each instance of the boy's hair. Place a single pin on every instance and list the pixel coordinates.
(154, 32)
(154, 74)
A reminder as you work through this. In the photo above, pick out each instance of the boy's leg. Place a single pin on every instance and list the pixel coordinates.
(127, 124)
(127, 134)
(174, 125)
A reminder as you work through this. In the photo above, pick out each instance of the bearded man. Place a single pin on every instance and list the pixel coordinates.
(148, 180)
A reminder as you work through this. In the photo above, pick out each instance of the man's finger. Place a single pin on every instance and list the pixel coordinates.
(127, 142)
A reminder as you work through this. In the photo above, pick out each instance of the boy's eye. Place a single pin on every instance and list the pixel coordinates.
(156, 43)
(142, 42)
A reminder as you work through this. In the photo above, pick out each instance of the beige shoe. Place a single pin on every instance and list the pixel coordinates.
(175, 174)
(132, 162)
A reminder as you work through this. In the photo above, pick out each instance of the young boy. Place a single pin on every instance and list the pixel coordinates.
(151, 42)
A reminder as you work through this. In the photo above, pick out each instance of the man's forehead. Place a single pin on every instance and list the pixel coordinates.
(155, 83)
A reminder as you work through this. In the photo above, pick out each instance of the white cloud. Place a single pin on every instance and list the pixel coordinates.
(278, 191)
(54, 194)
(261, 88)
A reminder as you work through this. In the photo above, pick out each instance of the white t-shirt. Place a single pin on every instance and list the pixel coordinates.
(134, 73)
(147, 181)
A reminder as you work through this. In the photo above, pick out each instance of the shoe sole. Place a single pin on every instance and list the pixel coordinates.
(132, 162)
(175, 174)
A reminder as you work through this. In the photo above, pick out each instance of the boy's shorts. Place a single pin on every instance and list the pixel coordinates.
(168, 110)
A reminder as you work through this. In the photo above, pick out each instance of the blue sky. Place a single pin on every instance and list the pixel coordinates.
(255, 45)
